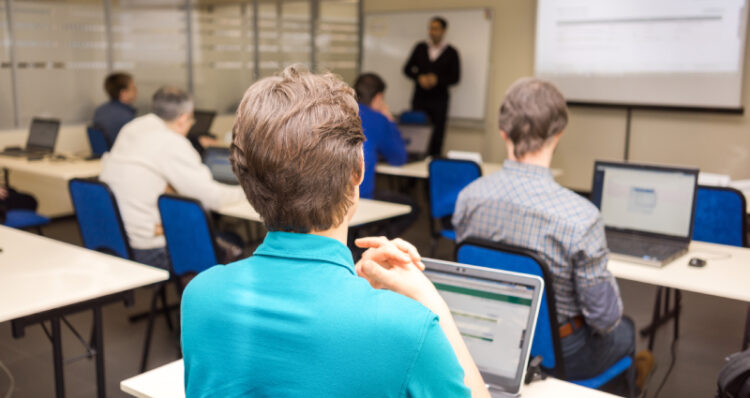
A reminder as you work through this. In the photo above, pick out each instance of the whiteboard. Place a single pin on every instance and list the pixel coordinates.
(389, 38)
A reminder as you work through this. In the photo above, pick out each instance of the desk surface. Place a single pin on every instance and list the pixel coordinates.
(168, 382)
(368, 211)
(63, 169)
(41, 274)
(726, 273)
(419, 169)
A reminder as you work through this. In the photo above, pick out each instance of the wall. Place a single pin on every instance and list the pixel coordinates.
(712, 142)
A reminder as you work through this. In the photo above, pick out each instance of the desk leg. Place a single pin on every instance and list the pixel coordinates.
(659, 318)
(99, 345)
(57, 358)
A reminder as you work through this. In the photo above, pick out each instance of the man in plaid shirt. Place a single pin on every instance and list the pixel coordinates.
(522, 205)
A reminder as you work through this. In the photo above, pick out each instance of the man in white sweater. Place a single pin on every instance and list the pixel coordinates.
(152, 156)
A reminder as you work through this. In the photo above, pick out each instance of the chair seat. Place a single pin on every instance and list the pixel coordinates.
(448, 234)
(19, 218)
(595, 382)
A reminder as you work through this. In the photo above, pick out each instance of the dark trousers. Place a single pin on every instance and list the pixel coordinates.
(16, 200)
(587, 354)
(437, 111)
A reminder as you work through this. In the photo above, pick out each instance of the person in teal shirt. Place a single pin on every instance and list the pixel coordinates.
(299, 318)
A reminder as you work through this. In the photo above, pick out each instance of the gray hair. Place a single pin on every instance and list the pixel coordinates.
(169, 103)
(532, 111)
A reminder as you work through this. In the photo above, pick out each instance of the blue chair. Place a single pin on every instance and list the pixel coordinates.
(99, 218)
(98, 141)
(25, 219)
(546, 341)
(447, 177)
(414, 117)
(191, 245)
(720, 217)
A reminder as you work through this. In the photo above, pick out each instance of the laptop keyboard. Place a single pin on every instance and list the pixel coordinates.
(642, 247)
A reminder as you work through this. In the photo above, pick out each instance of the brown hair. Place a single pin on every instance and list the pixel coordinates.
(116, 82)
(532, 111)
(296, 149)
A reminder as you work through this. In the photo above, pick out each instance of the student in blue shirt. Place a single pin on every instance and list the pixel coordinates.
(111, 116)
(382, 140)
(299, 318)
(382, 137)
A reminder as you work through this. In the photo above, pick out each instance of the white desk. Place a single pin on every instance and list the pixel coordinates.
(726, 274)
(44, 279)
(168, 382)
(419, 169)
(368, 211)
(48, 180)
(61, 169)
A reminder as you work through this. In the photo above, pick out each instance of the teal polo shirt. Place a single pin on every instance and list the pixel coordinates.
(294, 320)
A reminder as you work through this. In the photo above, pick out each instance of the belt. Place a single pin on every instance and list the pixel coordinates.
(573, 325)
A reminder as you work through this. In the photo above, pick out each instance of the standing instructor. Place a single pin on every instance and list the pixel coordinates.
(434, 66)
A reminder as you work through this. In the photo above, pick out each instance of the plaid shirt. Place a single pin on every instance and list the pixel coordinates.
(522, 205)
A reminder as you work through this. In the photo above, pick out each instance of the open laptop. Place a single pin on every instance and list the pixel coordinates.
(217, 160)
(648, 211)
(203, 121)
(41, 141)
(417, 140)
(496, 313)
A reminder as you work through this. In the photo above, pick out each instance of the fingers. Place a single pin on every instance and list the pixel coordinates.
(409, 249)
(374, 273)
(371, 241)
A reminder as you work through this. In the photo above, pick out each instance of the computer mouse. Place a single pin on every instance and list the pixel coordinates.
(697, 262)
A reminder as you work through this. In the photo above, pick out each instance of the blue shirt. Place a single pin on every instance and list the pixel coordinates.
(522, 205)
(382, 139)
(294, 320)
(111, 116)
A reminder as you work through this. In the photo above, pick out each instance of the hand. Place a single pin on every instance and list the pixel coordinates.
(424, 81)
(207, 141)
(3, 192)
(389, 253)
(432, 79)
(406, 280)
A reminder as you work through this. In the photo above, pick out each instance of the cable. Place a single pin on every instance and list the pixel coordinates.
(717, 255)
(669, 370)
(10, 378)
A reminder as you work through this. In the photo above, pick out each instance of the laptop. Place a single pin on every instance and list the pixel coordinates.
(217, 160)
(648, 211)
(496, 313)
(203, 121)
(41, 141)
(417, 140)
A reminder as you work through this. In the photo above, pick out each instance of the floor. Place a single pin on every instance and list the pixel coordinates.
(710, 329)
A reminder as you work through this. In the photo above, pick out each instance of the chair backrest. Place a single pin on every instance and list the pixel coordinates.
(98, 141)
(447, 177)
(189, 234)
(413, 117)
(99, 217)
(720, 216)
(500, 256)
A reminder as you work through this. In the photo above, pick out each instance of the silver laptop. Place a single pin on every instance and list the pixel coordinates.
(496, 313)
(648, 211)
(417, 139)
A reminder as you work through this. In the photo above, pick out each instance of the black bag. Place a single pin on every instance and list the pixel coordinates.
(734, 377)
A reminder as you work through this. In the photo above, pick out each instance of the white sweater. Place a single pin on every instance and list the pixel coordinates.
(146, 157)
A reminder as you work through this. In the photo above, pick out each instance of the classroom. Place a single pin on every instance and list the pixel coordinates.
(360, 198)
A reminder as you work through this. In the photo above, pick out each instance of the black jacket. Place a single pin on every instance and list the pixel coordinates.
(447, 67)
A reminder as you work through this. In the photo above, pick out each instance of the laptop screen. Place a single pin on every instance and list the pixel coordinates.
(494, 318)
(217, 160)
(651, 199)
(43, 134)
(203, 121)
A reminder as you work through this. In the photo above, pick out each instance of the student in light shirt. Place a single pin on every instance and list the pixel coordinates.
(152, 156)
(299, 318)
